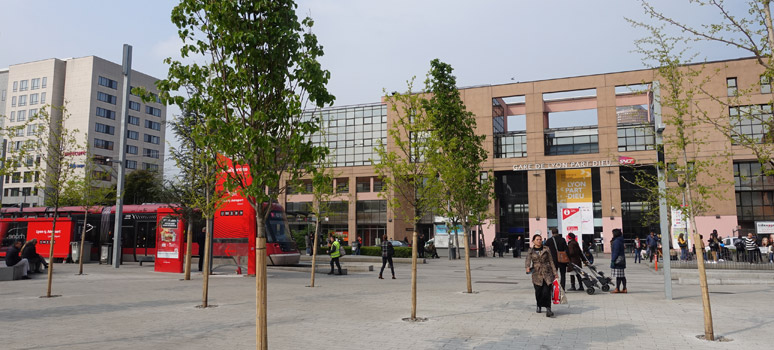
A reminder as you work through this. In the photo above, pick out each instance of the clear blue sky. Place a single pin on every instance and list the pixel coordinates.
(370, 45)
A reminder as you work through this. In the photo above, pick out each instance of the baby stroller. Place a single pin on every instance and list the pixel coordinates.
(586, 280)
(605, 281)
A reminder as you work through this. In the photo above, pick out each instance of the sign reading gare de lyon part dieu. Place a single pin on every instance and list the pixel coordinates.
(622, 160)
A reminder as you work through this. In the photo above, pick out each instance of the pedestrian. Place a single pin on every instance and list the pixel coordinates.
(714, 245)
(12, 258)
(495, 248)
(683, 248)
(334, 249)
(558, 246)
(574, 252)
(35, 260)
(433, 252)
(406, 241)
(421, 245)
(540, 264)
(518, 246)
(387, 253)
(751, 247)
(618, 261)
(500, 248)
(652, 243)
(771, 250)
(637, 250)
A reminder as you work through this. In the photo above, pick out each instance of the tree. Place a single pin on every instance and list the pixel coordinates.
(263, 67)
(749, 30)
(58, 149)
(143, 186)
(322, 192)
(87, 190)
(409, 182)
(698, 178)
(457, 155)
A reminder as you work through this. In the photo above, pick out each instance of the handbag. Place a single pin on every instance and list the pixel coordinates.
(561, 256)
(619, 260)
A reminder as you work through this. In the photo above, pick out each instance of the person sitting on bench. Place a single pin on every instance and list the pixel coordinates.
(12, 258)
(35, 260)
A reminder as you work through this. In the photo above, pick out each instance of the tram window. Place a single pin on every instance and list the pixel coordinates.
(276, 231)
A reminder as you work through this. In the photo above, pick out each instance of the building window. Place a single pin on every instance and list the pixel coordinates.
(636, 138)
(106, 97)
(43, 85)
(354, 132)
(152, 125)
(580, 141)
(751, 124)
(510, 146)
(131, 149)
(378, 184)
(19, 132)
(2, 98)
(131, 164)
(21, 116)
(106, 113)
(342, 185)
(108, 83)
(33, 99)
(35, 83)
(153, 111)
(43, 97)
(100, 175)
(134, 135)
(105, 129)
(14, 192)
(15, 86)
(28, 176)
(152, 139)
(22, 100)
(23, 85)
(103, 144)
(32, 129)
(754, 193)
(765, 84)
(13, 101)
(363, 185)
(133, 120)
(134, 106)
(26, 191)
(13, 116)
(151, 153)
(731, 86)
(33, 113)
(16, 177)
(150, 167)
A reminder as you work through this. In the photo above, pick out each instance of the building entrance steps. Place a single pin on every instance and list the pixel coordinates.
(361, 258)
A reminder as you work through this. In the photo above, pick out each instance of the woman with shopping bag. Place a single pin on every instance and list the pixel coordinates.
(541, 265)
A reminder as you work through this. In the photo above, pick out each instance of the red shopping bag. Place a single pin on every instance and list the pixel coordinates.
(556, 296)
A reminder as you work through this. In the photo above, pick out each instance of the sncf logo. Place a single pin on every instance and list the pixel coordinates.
(626, 160)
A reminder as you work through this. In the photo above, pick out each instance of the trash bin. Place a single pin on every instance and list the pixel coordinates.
(452, 253)
(75, 250)
(106, 254)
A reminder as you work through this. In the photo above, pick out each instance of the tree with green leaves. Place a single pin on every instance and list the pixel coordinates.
(143, 186)
(457, 155)
(699, 178)
(262, 68)
(410, 183)
(88, 191)
(746, 27)
(322, 193)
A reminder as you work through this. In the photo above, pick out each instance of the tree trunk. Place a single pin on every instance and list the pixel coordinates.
(261, 329)
(314, 249)
(188, 243)
(467, 257)
(83, 240)
(769, 28)
(457, 242)
(414, 274)
(51, 254)
(207, 262)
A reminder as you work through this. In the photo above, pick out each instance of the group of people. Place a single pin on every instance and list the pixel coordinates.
(25, 254)
(501, 246)
(543, 262)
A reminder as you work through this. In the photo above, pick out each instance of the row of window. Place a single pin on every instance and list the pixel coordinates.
(22, 100)
(20, 116)
(732, 85)
(26, 177)
(20, 192)
(23, 85)
(109, 114)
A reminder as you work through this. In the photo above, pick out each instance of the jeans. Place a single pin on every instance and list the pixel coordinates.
(683, 254)
(335, 260)
(637, 256)
(562, 274)
(385, 260)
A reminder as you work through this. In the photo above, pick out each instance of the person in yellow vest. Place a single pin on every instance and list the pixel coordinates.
(334, 249)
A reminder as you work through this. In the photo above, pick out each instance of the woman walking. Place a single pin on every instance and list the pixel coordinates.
(540, 263)
(618, 261)
(387, 252)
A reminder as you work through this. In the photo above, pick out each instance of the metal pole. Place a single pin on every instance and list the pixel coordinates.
(2, 164)
(126, 70)
(662, 206)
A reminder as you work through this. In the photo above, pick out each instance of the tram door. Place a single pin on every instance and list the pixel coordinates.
(145, 238)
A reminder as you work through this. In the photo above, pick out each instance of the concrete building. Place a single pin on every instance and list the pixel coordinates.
(564, 153)
(90, 88)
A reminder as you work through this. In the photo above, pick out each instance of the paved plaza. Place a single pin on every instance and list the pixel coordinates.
(136, 308)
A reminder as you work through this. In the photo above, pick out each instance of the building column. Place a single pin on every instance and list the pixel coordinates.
(610, 183)
(352, 213)
(536, 187)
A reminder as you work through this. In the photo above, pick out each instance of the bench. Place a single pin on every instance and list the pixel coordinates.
(11, 273)
(146, 258)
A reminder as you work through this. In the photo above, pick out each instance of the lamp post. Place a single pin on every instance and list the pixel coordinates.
(662, 206)
(126, 70)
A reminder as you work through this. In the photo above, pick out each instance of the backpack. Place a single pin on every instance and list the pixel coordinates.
(390, 249)
(342, 252)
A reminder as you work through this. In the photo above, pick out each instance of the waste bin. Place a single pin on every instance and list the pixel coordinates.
(106, 254)
(452, 253)
(75, 250)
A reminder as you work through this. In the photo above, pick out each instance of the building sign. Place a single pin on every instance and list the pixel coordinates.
(445, 235)
(623, 160)
(764, 227)
(563, 165)
(574, 201)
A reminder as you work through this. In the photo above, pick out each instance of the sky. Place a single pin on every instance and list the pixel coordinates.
(371, 46)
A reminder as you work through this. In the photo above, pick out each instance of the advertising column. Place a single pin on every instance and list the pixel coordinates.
(574, 201)
(169, 247)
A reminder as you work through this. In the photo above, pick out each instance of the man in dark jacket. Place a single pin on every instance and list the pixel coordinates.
(652, 243)
(31, 254)
(554, 244)
(12, 258)
(518, 247)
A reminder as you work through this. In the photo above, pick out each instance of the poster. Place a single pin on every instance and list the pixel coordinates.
(764, 227)
(169, 247)
(575, 203)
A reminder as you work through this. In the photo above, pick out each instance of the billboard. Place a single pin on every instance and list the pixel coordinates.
(574, 201)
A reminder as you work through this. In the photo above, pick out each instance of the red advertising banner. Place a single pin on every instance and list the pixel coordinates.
(40, 229)
(169, 242)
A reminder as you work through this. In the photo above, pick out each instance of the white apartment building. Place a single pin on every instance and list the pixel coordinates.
(91, 90)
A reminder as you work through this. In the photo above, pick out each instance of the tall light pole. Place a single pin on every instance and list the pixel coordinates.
(662, 206)
(127, 71)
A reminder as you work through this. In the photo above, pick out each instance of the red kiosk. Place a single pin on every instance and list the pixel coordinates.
(170, 248)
